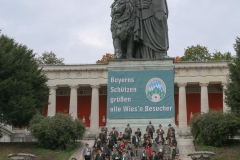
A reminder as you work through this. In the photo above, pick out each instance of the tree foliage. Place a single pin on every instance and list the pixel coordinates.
(57, 132)
(23, 89)
(218, 56)
(196, 53)
(232, 91)
(49, 58)
(201, 53)
(214, 128)
(105, 59)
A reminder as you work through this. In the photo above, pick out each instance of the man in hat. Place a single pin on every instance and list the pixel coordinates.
(100, 155)
(102, 137)
(139, 132)
(170, 134)
(116, 156)
(170, 127)
(159, 138)
(87, 152)
(135, 142)
(150, 129)
(160, 130)
(160, 150)
(125, 156)
(105, 129)
(114, 135)
(129, 152)
(172, 141)
(153, 156)
(128, 129)
(144, 154)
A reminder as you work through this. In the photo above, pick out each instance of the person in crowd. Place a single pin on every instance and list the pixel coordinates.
(135, 143)
(111, 143)
(172, 141)
(128, 145)
(107, 157)
(139, 132)
(148, 146)
(170, 127)
(120, 136)
(146, 136)
(160, 130)
(105, 129)
(126, 136)
(159, 138)
(87, 152)
(97, 143)
(153, 156)
(128, 129)
(150, 129)
(125, 156)
(170, 134)
(106, 149)
(174, 152)
(176, 157)
(116, 156)
(122, 145)
(129, 152)
(102, 137)
(144, 154)
(114, 135)
(160, 150)
(100, 155)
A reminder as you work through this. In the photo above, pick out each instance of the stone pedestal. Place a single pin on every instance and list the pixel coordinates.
(140, 65)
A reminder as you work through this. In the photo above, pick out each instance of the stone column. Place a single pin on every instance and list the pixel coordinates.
(52, 101)
(73, 101)
(94, 122)
(204, 98)
(225, 107)
(182, 108)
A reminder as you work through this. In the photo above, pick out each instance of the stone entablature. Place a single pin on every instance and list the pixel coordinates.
(190, 72)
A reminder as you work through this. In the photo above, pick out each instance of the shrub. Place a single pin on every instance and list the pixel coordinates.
(214, 128)
(58, 132)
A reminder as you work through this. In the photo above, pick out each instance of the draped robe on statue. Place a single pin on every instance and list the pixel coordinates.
(151, 30)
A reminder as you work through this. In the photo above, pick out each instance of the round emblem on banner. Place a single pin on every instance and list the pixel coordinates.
(155, 89)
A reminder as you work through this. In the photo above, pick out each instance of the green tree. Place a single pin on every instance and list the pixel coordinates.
(58, 132)
(218, 56)
(196, 53)
(23, 89)
(232, 91)
(49, 58)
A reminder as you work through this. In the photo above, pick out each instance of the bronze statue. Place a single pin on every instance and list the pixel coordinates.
(122, 24)
(150, 30)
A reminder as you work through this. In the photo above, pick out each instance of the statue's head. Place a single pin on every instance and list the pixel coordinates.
(118, 8)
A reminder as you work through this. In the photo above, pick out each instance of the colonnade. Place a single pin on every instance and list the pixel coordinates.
(94, 123)
(204, 103)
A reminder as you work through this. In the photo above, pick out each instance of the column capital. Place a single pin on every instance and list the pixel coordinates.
(95, 86)
(182, 84)
(74, 86)
(223, 84)
(52, 87)
(203, 84)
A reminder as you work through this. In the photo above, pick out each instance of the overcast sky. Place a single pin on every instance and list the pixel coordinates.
(79, 30)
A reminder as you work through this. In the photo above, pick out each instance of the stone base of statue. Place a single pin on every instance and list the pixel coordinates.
(140, 91)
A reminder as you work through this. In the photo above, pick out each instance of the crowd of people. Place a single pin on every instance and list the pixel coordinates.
(132, 146)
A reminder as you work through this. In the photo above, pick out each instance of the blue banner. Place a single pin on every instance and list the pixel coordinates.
(140, 94)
